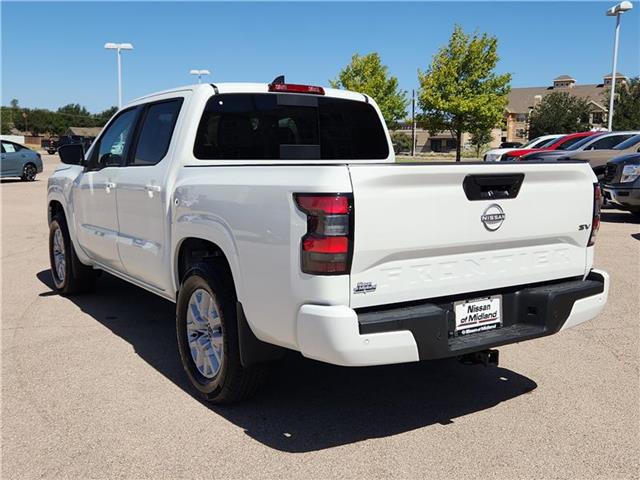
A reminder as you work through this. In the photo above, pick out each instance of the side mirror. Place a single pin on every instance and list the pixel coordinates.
(72, 154)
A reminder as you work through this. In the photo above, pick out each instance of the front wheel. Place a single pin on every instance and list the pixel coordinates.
(69, 274)
(29, 173)
(207, 332)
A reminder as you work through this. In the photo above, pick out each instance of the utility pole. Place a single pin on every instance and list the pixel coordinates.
(615, 11)
(413, 123)
(118, 47)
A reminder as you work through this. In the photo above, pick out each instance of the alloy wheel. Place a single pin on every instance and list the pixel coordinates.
(59, 257)
(29, 173)
(204, 333)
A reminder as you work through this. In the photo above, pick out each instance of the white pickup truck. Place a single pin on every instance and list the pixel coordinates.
(275, 217)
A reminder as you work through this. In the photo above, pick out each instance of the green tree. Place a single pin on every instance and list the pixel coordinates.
(559, 112)
(77, 115)
(626, 111)
(6, 121)
(367, 74)
(103, 117)
(401, 142)
(480, 138)
(460, 88)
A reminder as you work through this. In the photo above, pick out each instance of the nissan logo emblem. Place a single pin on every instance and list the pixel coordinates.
(493, 217)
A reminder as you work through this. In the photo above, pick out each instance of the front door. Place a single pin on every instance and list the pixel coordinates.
(11, 160)
(94, 192)
(143, 199)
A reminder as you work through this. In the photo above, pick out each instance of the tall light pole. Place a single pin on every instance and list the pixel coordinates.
(616, 11)
(200, 73)
(119, 47)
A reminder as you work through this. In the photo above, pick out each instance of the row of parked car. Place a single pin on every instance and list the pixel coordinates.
(614, 157)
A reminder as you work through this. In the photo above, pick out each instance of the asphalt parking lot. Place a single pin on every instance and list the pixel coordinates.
(92, 388)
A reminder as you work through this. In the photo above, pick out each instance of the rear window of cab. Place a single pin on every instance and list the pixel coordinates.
(270, 126)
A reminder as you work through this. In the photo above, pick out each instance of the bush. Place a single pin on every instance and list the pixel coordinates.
(401, 142)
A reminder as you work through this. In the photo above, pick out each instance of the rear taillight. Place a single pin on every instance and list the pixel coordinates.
(295, 88)
(595, 222)
(327, 246)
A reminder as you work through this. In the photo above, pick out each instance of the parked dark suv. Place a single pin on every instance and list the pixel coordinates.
(621, 182)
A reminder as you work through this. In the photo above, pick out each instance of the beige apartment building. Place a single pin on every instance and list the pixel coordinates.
(521, 102)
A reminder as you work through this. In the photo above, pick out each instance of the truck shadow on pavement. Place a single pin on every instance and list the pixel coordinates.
(619, 217)
(306, 405)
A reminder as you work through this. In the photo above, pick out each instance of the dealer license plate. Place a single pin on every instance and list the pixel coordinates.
(478, 315)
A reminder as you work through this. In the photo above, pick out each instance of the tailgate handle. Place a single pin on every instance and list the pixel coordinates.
(491, 187)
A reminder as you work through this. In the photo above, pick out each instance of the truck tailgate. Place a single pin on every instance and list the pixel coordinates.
(418, 235)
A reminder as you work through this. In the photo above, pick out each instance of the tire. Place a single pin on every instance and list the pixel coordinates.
(206, 325)
(29, 172)
(69, 274)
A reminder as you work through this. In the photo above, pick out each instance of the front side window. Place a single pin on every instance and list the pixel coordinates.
(546, 143)
(608, 142)
(289, 127)
(115, 140)
(155, 135)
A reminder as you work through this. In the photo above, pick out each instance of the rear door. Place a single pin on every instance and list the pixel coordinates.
(419, 233)
(142, 197)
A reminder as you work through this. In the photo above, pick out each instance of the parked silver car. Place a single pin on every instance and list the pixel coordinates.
(19, 161)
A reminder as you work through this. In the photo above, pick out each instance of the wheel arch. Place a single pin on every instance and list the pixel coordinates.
(191, 249)
(55, 206)
(195, 249)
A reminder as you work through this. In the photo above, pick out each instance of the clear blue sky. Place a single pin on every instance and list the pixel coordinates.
(52, 53)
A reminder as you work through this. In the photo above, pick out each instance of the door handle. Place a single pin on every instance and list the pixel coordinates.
(108, 186)
(152, 188)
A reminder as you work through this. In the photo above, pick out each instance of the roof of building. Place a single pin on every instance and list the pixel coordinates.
(618, 75)
(564, 77)
(84, 131)
(521, 99)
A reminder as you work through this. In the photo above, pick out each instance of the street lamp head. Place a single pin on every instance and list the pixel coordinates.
(199, 72)
(118, 46)
(620, 8)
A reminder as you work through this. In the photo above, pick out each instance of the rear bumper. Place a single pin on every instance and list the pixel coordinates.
(342, 336)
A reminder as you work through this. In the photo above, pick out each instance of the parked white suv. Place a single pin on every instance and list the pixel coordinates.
(275, 218)
(496, 154)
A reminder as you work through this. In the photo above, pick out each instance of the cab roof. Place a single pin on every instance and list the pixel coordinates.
(246, 87)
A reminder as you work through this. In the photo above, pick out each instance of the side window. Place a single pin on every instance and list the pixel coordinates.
(115, 140)
(608, 142)
(8, 147)
(155, 134)
(565, 145)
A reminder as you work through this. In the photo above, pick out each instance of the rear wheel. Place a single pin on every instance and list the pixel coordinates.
(207, 332)
(29, 172)
(69, 274)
